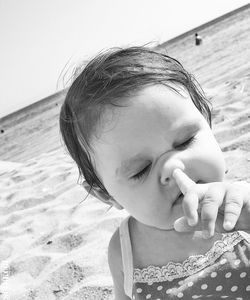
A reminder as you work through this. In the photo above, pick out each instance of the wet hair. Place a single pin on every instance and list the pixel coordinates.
(104, 83)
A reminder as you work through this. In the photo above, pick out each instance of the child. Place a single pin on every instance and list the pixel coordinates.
(138, 127)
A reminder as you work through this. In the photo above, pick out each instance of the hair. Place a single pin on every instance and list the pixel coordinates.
(109, 77)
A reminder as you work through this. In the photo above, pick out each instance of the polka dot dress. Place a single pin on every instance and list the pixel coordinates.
(222, 273)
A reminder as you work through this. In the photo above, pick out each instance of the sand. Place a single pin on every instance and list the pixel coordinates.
(51, 245)
(53, 241)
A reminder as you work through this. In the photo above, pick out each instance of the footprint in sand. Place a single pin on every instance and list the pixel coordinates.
(243, 144)
(65, 243)
(32, 265)
(43, 239)
(238, 129)
(60, 282)
(28, 203)
(11, 220)
(93, 292)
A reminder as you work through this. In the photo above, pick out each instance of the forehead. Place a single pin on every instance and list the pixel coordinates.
(153, 108)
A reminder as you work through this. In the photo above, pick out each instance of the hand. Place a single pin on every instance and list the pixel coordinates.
(210, 199)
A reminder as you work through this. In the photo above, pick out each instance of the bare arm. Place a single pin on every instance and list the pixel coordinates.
(115, 266)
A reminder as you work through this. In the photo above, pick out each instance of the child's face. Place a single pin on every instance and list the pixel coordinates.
(142, 143)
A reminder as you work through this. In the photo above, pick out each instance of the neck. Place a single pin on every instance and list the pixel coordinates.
(157, 246)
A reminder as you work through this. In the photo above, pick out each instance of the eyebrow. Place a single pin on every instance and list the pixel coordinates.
(188, 128)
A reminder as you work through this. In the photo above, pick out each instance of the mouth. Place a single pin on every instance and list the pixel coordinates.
(178, 199)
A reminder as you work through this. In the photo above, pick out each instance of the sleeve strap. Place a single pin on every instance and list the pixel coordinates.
(127, 257)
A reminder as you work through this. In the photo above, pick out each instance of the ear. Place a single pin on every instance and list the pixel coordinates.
(101, 195)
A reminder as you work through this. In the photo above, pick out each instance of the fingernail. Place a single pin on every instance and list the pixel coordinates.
(206, 234)
(227, 225)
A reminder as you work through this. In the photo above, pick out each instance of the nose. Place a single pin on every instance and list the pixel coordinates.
(167, 170)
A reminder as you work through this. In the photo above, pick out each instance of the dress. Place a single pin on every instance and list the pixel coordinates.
(223, 272)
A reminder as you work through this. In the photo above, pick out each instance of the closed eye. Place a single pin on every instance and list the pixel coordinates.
(142, 173)
(185, 144)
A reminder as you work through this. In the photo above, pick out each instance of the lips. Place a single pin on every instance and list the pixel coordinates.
(178, 199)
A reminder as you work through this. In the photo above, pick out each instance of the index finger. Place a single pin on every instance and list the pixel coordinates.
(182, 180)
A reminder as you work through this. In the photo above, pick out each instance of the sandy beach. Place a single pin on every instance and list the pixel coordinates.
(53, 240)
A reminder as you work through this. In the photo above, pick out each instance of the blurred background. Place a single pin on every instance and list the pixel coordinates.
(40, 39)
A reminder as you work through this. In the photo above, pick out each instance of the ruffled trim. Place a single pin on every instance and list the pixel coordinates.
(191, 265)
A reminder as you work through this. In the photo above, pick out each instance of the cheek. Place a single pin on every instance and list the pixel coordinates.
(213, 158)
(119, 192)
(132, 199)
(219, 161)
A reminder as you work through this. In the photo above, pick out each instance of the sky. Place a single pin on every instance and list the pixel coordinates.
(41, 39)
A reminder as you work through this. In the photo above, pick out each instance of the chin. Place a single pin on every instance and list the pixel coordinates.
(159, 224)
(167, 227)
(168, 224)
